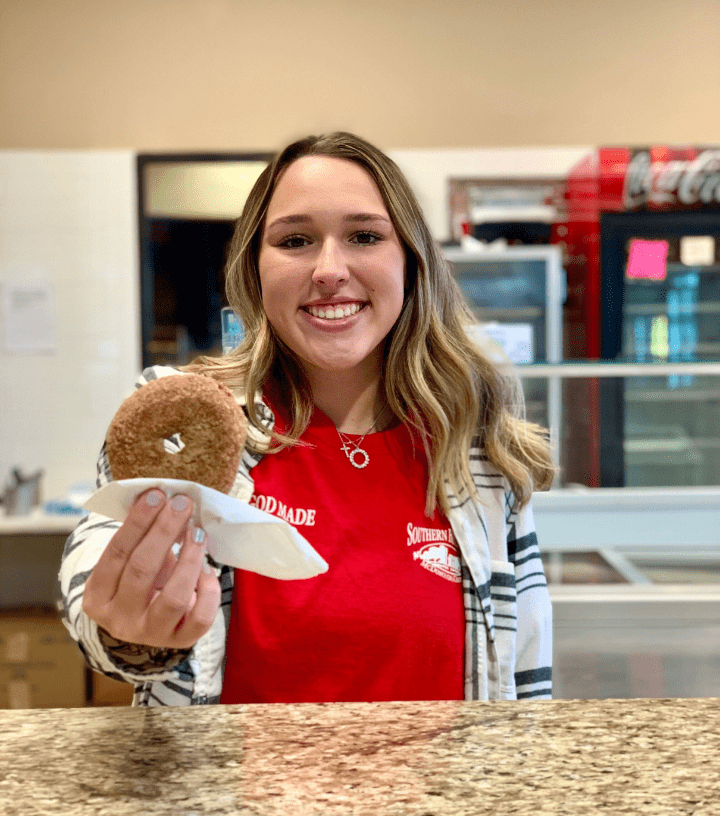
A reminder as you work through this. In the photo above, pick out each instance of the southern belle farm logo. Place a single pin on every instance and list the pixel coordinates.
(438, 553)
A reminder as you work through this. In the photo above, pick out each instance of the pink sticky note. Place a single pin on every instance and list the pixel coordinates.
(647, 259)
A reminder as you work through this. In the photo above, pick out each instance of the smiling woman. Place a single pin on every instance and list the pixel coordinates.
(372, 416)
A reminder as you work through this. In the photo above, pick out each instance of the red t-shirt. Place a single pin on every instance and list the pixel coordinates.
(386, 621)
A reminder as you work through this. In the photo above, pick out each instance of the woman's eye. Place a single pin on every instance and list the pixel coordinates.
(294, 242)
(366, 238)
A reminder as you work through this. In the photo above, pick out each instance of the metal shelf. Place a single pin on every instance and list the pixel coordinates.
(665, 445)
(510, 314)
(682, 269)
(681, 395)
(706, 307)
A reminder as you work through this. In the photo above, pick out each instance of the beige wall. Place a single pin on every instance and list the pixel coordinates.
(245, 74)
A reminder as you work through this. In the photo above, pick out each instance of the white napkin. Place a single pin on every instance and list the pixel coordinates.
(238, 535)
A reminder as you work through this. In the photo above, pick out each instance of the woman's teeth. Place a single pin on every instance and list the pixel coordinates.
(334, 312)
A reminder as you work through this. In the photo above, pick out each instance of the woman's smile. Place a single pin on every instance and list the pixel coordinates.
(334, 311)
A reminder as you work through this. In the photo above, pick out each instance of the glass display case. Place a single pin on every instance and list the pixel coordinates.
(661, 303)
(516, 294)
(634, 577)
(668, 436)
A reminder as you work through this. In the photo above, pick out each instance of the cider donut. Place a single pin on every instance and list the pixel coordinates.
(211, 425)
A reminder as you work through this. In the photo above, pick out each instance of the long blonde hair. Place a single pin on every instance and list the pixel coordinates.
(436, 380)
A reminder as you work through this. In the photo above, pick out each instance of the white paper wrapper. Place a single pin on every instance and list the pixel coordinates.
(238, 535)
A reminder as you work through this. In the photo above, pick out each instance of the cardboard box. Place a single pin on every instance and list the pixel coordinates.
(40, 664)
(108, 692)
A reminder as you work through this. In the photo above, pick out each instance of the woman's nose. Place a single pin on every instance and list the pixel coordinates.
(331, 266)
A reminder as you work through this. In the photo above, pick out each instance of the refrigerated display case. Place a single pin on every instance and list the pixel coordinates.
(516, 294)
(634, 577)
(666, 308)
(641, 245)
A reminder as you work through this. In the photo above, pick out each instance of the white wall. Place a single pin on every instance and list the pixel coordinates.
(68, 219)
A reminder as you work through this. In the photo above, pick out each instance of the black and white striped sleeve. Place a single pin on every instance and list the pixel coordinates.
(533, 666)
(82, 550)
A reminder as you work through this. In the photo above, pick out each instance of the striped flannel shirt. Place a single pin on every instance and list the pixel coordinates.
(508, 616)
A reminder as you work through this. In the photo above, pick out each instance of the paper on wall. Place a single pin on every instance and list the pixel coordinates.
(28, 312)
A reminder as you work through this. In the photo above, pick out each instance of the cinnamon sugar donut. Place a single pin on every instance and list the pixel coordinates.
(211, 425)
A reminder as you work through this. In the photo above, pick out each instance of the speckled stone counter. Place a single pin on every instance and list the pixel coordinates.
(563, 757)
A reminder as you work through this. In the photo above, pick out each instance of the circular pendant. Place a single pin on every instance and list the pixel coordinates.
(363, 454)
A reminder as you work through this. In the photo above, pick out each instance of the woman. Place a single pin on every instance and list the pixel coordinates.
(371, 411)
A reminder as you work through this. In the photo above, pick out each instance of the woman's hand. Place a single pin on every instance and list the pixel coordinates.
(139, 592)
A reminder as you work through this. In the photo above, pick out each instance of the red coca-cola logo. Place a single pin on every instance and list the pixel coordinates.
(683, 182)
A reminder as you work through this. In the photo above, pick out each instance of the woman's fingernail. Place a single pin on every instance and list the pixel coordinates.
(198, 535)
(179, 503)
(154, 498)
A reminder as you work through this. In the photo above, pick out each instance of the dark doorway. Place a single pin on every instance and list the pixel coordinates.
(184, 234)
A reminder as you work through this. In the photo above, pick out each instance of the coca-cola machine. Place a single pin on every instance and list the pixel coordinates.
(641, 247)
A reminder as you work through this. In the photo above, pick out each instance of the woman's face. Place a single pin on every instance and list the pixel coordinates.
(331, 265)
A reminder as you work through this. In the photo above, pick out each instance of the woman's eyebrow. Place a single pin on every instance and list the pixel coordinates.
(366, 217)
(306, 219)
(291, 219)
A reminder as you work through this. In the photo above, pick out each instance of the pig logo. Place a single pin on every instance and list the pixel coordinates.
(440, 558)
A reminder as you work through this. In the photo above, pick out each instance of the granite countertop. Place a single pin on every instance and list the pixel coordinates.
(380, 759)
